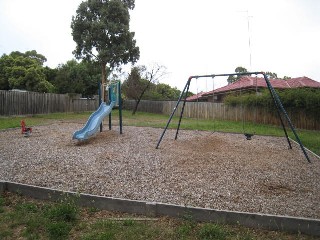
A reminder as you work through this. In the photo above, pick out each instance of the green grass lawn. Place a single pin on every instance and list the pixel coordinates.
(310, 139)
(25, 218)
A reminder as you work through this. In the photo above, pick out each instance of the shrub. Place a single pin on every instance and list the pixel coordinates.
(298, 98)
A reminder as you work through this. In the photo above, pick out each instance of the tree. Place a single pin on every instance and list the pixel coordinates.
(74, 77)
(31, 55)
(5, 62)
(133, 85)
(235, 78)
(129, 3)
(162, 92)
(271, 75)
(155, 91)
(101, 32)
(24, 71)
(50, 73)
(140, 79)
(36, 56)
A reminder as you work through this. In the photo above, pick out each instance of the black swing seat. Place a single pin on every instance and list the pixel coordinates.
(248, 136)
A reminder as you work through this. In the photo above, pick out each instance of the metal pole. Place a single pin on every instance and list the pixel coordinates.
(276, 97)
(182, 110)
(278, 110)
(174, 110)
(100, 101)
(213, 107)
(226, 74)
(110, 99)
(120, 107)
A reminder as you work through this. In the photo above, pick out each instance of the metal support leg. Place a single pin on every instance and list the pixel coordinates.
(279, 104)
(120, 108)
(171, 116)
(182, 110)
(279, 115)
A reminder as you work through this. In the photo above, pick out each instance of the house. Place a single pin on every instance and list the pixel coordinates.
(253, 84)
(196, 97)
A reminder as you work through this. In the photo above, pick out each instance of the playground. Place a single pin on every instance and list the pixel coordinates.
(204, 169)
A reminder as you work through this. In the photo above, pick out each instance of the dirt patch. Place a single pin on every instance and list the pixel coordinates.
(276, 188)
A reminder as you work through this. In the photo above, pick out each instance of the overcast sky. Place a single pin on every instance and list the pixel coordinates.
(191, 37)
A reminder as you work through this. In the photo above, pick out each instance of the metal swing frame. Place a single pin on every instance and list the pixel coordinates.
(273, 93)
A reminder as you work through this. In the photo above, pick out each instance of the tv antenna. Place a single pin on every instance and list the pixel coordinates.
(249, 37)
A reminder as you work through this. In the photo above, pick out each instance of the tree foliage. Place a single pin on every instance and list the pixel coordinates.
(272, 75)
(24, 71)
(139, 81)
(133, 85)
(74, 77)
(129, 3)
(50, 73)
(295, 98)
(235, 78)
(101, 32)
(156, 91)
(162, 92)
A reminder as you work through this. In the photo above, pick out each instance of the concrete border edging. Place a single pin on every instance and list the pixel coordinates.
(3, 186)
(153, 209)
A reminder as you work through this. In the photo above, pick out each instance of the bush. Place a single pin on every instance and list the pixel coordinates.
(299, 99)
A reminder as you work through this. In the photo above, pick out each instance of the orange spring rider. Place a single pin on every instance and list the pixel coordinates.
(25, 130)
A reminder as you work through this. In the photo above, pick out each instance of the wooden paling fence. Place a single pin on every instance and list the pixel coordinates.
(146, 106)
(220, 111)
(28, 103)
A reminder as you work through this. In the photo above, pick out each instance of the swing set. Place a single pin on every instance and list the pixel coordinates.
(246, 133)
(273, 93)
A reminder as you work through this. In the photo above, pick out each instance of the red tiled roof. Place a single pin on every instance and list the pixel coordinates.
(248, 82)
(253, 82)
(195, 97)
(303, 82)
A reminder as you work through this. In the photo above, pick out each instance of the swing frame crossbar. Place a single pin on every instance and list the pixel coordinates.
(273, 93)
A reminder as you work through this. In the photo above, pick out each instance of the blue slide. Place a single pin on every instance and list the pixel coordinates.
(93, 122)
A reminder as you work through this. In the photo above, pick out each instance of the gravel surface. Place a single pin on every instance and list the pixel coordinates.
(203, 169)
